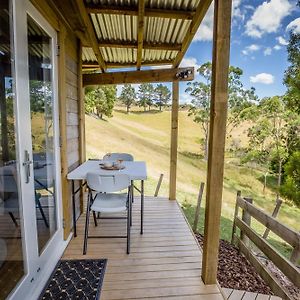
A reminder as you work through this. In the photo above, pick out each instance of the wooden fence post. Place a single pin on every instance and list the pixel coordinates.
(295, 256)
(197, 213)
(246, 217)
(158, 185)
(274, 215)
(236, 210)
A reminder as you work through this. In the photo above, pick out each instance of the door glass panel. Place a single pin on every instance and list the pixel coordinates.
(11, 253)
(41, 106)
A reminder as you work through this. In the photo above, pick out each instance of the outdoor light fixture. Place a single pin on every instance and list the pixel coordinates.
(184, 74)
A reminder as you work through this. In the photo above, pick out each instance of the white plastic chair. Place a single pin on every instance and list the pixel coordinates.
(117, 156)
(102, 198)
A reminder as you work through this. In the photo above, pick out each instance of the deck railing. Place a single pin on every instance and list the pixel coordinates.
(248, 234)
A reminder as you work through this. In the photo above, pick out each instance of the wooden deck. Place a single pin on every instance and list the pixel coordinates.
(165, 262)
(231, 294)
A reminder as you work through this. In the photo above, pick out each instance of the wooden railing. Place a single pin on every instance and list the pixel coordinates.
(248, 234)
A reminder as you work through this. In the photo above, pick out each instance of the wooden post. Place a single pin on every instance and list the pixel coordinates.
(197, 213)
(81, 116)
(274, 214)
(174, 141)
(218, 117)
(158, 185)
(295, 256)
(246, 217)
(236, 210)
(63, 132)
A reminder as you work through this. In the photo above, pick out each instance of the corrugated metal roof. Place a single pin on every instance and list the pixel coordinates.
(122, 29)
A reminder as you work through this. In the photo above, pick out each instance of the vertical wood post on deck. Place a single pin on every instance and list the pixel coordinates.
(218, 116)
(174, 140)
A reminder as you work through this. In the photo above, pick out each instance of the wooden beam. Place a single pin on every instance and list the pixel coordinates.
(196, 21)
(133, 11)
(81, 116)
(218, 116)
(174, 141)
(63, 132)
(140, 37)
(91, 33)
(133, 45)
(92, 65)
(159, 75)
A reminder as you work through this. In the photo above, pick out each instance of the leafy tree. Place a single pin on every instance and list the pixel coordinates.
(269, 136)
(291, 186)
(239, 100)
(128, 96)
(145, 95)
(100, 100)
(163, 95)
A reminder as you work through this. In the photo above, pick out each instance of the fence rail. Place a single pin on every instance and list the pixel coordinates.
(247, 234)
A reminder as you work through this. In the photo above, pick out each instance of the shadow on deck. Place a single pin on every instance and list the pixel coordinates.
(164, 262)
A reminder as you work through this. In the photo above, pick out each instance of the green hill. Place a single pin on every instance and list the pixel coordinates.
(147, 137)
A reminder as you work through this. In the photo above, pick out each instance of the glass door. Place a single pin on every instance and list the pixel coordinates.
(31, 234)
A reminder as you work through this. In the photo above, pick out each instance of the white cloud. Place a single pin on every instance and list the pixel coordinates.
(282, 41)
(250, 49)
(263, 78)
(267, 17)
(277, 47)
(267, 51)
(189, 62)
(294, 26)
(205, 31)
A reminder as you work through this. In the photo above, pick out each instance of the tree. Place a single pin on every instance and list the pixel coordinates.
(163, 95)
(270, 138)
(128, 96)
(145, 95)
(100, 101)
(291, 186)
(239, 100)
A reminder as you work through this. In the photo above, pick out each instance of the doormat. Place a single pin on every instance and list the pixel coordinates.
(75, 279)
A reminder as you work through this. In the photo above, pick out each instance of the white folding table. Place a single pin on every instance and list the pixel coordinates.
(136, 170)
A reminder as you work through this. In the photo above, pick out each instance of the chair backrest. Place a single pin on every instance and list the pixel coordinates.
(116, 156)
(107, 183)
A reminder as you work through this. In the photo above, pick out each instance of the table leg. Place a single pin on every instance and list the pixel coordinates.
(142, 206)
(74, 208)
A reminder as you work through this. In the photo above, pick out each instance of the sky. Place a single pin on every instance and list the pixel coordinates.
(259, 37)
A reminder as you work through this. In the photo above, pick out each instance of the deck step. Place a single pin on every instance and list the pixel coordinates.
(232, 294)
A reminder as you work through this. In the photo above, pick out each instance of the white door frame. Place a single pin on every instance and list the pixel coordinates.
(37, 268)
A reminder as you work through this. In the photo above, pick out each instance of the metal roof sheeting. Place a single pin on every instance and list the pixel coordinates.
(124, 29)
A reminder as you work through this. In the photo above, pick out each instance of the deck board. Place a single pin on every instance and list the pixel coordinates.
(165, 262)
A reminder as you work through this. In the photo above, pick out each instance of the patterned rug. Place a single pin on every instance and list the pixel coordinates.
(75, 279)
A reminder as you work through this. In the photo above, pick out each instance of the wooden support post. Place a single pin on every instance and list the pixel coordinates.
(81, 116)
(246, 217)
(197, 212)
(158, 185)
(236, 211)
(174, 141)
(295, 256)
(63, 132)
(274, 215)
(218, 116)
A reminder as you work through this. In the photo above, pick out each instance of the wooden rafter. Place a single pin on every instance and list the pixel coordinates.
(196, 21)
(91, 33)
(133, 45)
(92, 65)
(133, 11)
(140, 37)
(160, 75)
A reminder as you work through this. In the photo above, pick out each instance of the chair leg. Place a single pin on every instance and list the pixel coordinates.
(128, 224)
(13, 219)
(95, 219)
(42, 212)
(87, 222)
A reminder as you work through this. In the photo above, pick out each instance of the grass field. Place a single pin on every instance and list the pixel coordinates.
(147, 137)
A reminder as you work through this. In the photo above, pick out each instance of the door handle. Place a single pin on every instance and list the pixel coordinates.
(27, 162)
